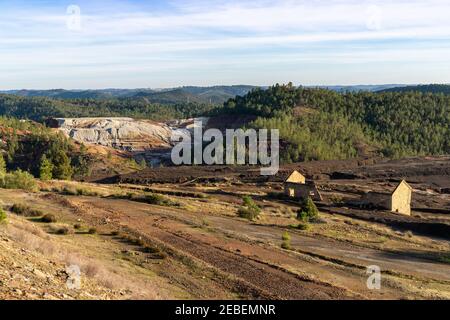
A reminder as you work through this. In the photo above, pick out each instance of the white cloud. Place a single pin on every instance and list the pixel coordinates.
(190, 35)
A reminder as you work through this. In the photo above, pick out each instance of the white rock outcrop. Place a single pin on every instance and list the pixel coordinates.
(126, 133)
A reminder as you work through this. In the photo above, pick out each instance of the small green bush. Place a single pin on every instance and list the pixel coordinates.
(303, 226)
(3, 216)
(286, 245)
(77, 226)
(249, 210)
(18, 180)
(286, 236)
(49, 218)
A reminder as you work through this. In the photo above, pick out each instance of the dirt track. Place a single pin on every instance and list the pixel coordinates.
(256, 279)
(258, 271)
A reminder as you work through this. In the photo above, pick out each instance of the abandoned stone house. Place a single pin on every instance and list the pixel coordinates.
(399, 201)
(297, 187)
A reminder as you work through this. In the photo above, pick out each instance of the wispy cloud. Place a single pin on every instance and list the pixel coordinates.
(118, 38)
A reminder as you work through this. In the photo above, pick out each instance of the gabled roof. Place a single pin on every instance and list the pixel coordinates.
(296, 177)
(403, 182)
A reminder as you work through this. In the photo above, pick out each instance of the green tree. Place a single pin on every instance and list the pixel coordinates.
(308, 211)
(2, 165)
(46, 169)
(62, 169)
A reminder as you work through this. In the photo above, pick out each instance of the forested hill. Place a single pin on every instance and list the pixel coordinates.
(39, 109)
(323, 124)
(315, 124)
(429, 88)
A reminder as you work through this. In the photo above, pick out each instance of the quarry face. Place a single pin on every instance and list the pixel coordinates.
(143, 138)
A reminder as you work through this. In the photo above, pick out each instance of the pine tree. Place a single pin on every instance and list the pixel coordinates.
(62, 169)
(308, 211)
(46, 169)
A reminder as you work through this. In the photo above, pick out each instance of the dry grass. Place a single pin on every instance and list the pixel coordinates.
(36, 240)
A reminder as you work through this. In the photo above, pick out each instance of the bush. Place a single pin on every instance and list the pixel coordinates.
(26, 211)
(77, 226)
(150, 249)
(249, 210)
(336, 199)
(69, 192)
(303, 226)
(286, 236)
(92, 231)
(308, 211)
(62, 230)
(3, 216)
(49, 218)
(286, 245)
(149, 198)
(18, 180)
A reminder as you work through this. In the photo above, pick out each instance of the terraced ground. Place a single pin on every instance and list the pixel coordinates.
(190, 243)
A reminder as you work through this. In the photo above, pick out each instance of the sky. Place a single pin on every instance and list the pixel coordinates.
(97, 44)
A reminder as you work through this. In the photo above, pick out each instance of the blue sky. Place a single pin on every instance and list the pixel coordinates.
(136, 44)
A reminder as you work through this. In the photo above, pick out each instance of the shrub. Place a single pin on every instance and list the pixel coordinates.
(308, 211)
(18, 180)
(149, 198)
(62, 230)
(26, 211)
(3, 216)
(69, 192)
(303, 226)
(336, 199)
(286, 236)
(150, 249)
(92, 231)
(77, 226)
(2, 165)
(249, 210)
(286, 245)
(49, 218)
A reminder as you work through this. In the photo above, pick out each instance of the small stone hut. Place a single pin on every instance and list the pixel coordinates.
(399, 201)
(297, 187)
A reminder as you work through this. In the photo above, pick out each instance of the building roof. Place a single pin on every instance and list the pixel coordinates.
(296, 177)
(403, 182)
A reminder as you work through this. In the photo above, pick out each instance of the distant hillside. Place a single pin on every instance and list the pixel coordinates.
(170, 96)
(78, 94)
(211, 95)
(40, 108)
(357, 88)
(430, 88)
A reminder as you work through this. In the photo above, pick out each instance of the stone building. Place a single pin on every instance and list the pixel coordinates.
(399, 201)
(297, 187)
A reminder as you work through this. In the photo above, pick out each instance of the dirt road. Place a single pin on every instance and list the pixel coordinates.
(247, 252)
